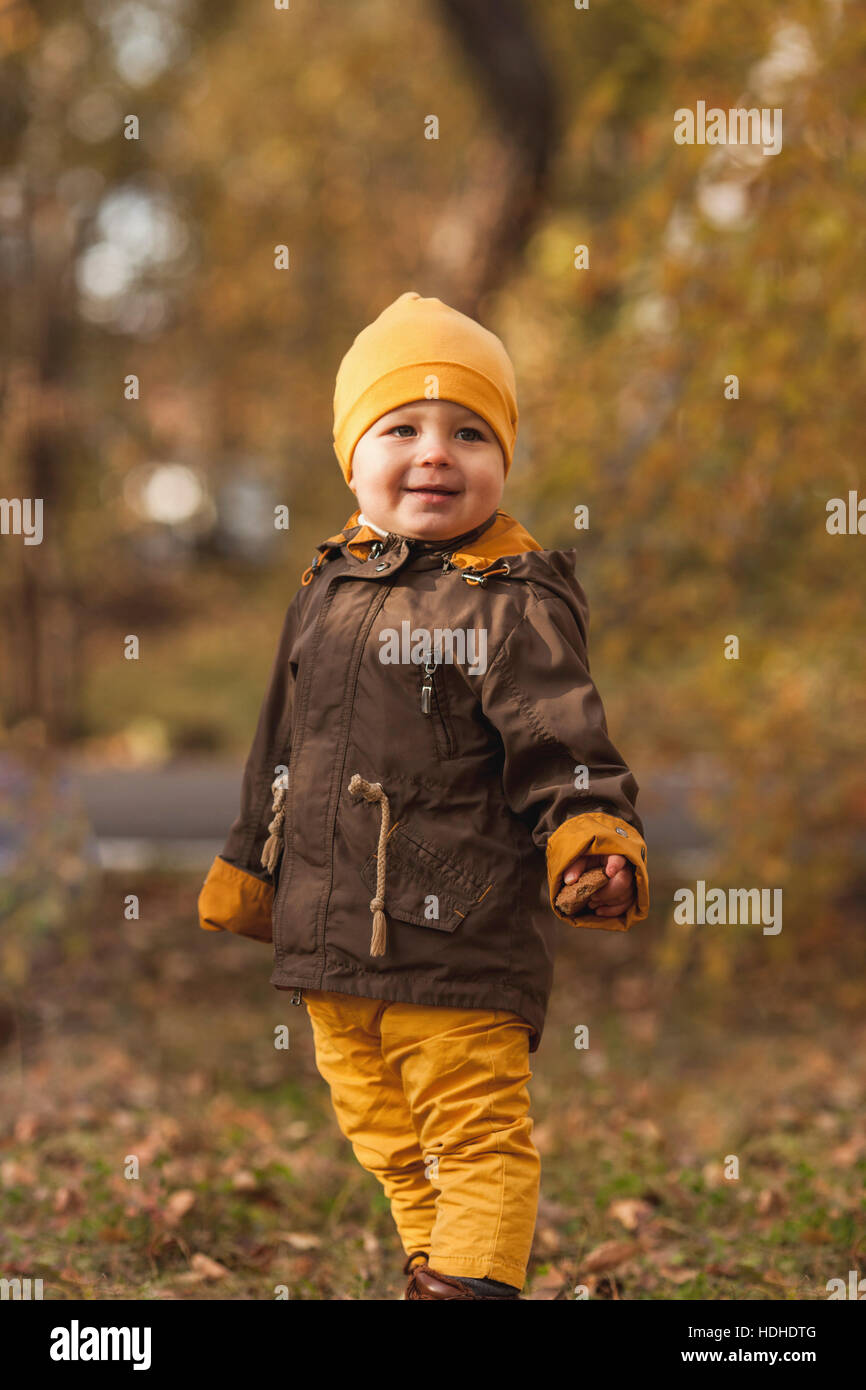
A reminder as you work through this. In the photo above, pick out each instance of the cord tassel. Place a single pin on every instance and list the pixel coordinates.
(372, 791)
(274, 843)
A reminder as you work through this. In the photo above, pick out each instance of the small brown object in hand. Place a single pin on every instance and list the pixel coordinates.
(573, 895)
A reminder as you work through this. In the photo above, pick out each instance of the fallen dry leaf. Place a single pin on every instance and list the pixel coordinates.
(847, 1154)
(713, 1174)
(769, 1200)
(114, 1235)
(371, 1242)
(16, 1174)
(177, 1205)
(207, 1268)
(548, 1238)
(300, 1240)
(647, 1129)
(677, 1276)
(630, 1212)
(609, 1255)
(548, 1286)
(68, 1199)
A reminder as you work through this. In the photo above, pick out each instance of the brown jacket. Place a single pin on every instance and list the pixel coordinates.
(436, 892)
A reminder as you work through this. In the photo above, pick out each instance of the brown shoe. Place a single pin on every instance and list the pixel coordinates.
(427, 1284)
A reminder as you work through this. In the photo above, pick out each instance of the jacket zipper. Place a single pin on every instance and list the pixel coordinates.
(302, 696)
(376, 603)
(296, 997)
(427, 686)
(430, 701)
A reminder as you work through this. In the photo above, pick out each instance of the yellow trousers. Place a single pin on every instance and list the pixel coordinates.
(434, 1102)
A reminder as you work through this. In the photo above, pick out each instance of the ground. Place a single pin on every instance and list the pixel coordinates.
(705, 1145)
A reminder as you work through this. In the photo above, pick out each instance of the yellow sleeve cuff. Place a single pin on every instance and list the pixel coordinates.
(233, 900)
(596, 832)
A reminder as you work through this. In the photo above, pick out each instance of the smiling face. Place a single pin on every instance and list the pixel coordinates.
(432, 470)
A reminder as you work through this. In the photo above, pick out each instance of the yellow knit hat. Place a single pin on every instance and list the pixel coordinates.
(421, 349)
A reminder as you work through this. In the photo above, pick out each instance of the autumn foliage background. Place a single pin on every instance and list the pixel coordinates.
(306, 127)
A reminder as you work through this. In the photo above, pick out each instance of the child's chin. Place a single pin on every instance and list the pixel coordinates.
(430, 520)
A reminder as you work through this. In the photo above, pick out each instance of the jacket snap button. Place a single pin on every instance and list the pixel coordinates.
(620, 831)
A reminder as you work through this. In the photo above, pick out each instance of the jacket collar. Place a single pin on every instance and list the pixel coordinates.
(503, 535)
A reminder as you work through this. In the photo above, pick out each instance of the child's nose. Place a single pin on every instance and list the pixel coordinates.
(435, 448)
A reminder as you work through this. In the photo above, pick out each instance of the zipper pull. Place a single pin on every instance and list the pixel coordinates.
(296, 997)
(427, 686)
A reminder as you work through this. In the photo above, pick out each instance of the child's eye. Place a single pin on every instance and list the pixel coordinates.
(471, 429)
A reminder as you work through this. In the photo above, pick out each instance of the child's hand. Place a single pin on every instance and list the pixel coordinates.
(618, 894)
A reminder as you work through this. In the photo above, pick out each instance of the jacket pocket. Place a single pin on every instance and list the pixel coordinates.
(421, 885)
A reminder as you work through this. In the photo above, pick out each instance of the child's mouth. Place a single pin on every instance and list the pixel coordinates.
(429, 494)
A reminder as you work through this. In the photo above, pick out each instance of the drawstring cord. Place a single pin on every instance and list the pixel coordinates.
(473, 576)
(372, 791)
(274, 842)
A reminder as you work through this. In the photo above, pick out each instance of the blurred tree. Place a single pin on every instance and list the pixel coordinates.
(482, 232)
(306, 128)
